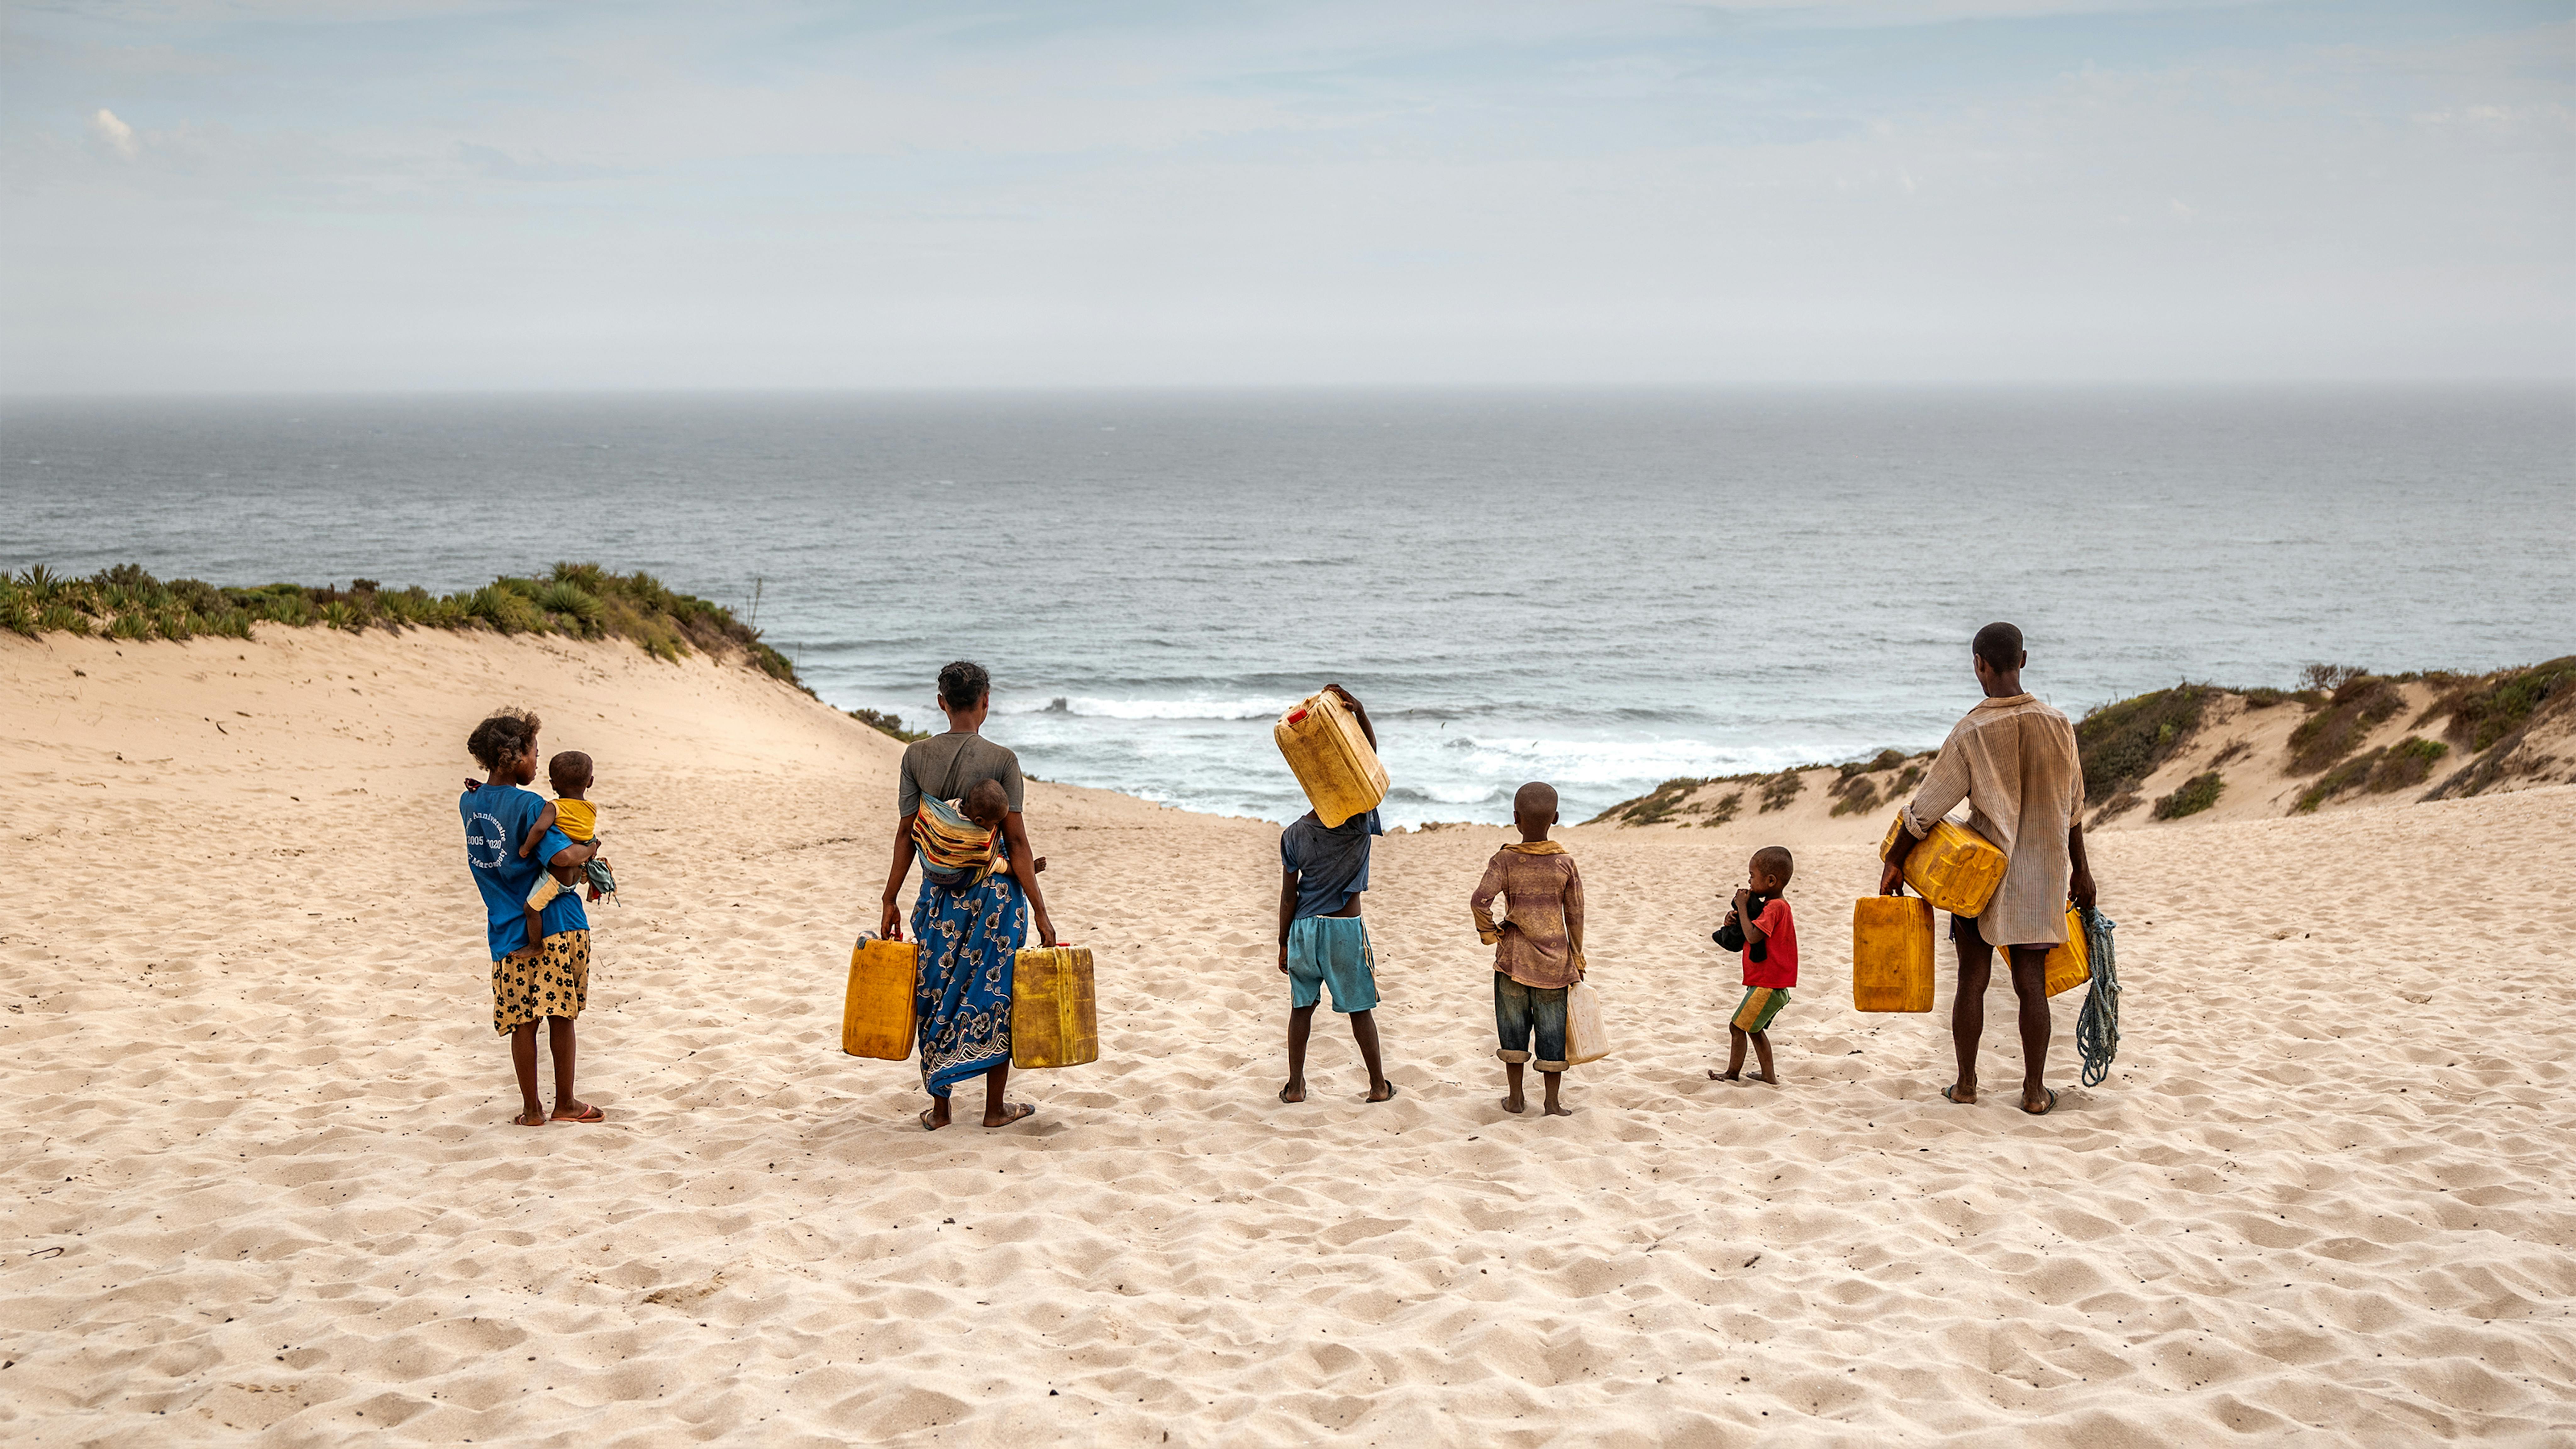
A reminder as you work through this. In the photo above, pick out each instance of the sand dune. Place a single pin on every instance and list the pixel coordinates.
(260, 1177)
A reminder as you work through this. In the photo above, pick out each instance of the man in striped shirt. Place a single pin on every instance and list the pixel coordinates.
(2013, 760)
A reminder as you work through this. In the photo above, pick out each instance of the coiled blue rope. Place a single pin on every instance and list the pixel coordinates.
(2097, 1030)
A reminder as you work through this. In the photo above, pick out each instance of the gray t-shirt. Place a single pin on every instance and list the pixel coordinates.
(953, 764)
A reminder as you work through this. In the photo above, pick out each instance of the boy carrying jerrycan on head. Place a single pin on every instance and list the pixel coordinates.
(1324, 860)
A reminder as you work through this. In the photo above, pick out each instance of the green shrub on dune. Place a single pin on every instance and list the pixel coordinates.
(891, 724)
(2486, 709)
(582, 601)
(2359, 704)
(2408, 762)
(2121, 744)
(2195, 795)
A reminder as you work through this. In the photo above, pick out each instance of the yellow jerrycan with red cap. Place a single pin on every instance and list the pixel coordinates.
(1331, 758)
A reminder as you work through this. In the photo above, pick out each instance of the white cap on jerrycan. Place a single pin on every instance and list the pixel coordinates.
(1331, 758)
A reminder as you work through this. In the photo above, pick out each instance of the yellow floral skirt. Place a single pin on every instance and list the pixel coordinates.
(550, 981)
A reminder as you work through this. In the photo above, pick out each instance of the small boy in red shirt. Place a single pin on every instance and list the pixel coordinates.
(1769, 940)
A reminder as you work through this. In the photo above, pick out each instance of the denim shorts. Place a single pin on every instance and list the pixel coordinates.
(1522, 1013)
(1331, 951)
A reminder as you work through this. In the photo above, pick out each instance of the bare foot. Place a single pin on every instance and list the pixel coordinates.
(529, 1119)
(1725, 1076)
(1382, 1092)
(1515, 1103)
(1559, 1109)
(1011, 1112)
(1758, 1077)
(1293, 1092)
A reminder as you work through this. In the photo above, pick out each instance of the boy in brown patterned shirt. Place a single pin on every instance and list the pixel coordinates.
(1538, 948)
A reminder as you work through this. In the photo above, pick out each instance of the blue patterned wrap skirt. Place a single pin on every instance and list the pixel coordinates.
(970, 937)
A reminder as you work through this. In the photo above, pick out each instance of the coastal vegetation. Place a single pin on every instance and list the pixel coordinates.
(580, 601)
(2358, 704)
(2483, 711)
(1656, 806)
(1855, 787)
(2486, 728)
(1780, 789)
(2196, 794)
(2123, 743)
(891, 724)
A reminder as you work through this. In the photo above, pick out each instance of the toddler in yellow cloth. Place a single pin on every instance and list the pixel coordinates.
(570, 773)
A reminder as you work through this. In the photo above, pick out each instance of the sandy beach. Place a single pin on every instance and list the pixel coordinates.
(261, 1180)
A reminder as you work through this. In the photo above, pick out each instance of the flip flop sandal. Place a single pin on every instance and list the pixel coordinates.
(926, 1124)
(2044, 1111)
(1390, 1093)
(1945, 1095)
(590, 1113)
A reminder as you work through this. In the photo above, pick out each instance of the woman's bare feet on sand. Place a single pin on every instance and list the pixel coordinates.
(1011, 1112)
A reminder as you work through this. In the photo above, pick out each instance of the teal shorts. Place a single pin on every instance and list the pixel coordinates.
(1331, 951)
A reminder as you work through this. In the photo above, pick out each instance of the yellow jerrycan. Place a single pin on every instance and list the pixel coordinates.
(1331, 758)
(1955, 869)
(1891, 953)
(1055, 1016)
(876, 1014)
(2070, 965)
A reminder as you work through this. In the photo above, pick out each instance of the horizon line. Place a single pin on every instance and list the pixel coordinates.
(2563, 383)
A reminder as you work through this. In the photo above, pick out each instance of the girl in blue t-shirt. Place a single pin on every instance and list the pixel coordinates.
(547, 976)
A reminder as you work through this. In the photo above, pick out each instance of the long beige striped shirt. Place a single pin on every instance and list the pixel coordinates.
(1541, 943)
(2013, 760)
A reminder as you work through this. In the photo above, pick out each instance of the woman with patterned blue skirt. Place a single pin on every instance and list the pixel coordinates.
(958, 811)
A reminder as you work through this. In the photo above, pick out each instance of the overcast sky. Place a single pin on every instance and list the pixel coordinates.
(276, 195)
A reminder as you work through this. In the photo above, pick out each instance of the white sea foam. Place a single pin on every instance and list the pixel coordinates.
(1093, 707)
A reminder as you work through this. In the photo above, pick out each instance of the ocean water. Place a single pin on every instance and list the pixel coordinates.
(1601, 590)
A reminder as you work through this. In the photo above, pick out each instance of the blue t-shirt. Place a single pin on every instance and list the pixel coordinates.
(497, 818)
(1331, 865)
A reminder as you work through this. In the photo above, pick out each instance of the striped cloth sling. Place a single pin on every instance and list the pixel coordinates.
(954, 850)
